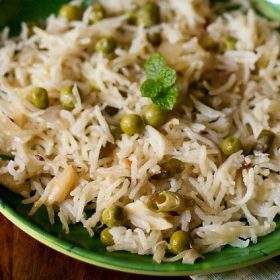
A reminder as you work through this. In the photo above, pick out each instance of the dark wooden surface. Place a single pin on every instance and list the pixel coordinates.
(23, 258)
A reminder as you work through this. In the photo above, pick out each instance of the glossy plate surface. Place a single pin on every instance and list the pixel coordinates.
(77, 243)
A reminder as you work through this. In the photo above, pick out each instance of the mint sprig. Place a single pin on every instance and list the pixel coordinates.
(160, 83)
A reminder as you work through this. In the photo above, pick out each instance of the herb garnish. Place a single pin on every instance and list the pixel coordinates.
(160, 83)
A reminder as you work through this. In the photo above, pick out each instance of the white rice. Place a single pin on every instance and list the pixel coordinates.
(235, 199)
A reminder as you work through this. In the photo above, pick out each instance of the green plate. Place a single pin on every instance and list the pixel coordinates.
(77, 244)
(13, 12)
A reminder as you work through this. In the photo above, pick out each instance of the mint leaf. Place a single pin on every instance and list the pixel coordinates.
(154, 65)
(157, 69)
(166, 99)
(151, 88)
(160, 83)
(167, 77)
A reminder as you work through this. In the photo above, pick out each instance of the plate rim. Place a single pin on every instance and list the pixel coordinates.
(54, 243)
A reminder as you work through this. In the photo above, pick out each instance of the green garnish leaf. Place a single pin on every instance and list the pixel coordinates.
(156, 69)
(6, 157)
(168, 77)
(151, 88)
(154, 65)
(167, 99)
(160, 83)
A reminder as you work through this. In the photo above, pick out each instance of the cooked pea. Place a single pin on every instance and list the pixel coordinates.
(131, 124)
(173, 167)
(231, 145)
(170, 169)
(113, 216)
(97, 13)
(39, 98)
(264, 141)
(106, 237)
(167, 201)
(179, 241)
(228, 44)
(116, 132)
(67, 99)
(154, 38)
(154, 116)
(106, 45)
(148, 15)
(71, 12)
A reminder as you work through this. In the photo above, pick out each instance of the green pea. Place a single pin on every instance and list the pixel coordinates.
(167, 201)
(113, 216)
(170, 169)
(106, 45)
(39, 98)
(106, 237)
(71, 12)
(97, 13)
(264, 141)
(67, 99)
(148, 15)
(231, 145)
(116, 132)
(131, 124)
(154, 38)
(228, 44)
(154, 116)
(179, 241)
